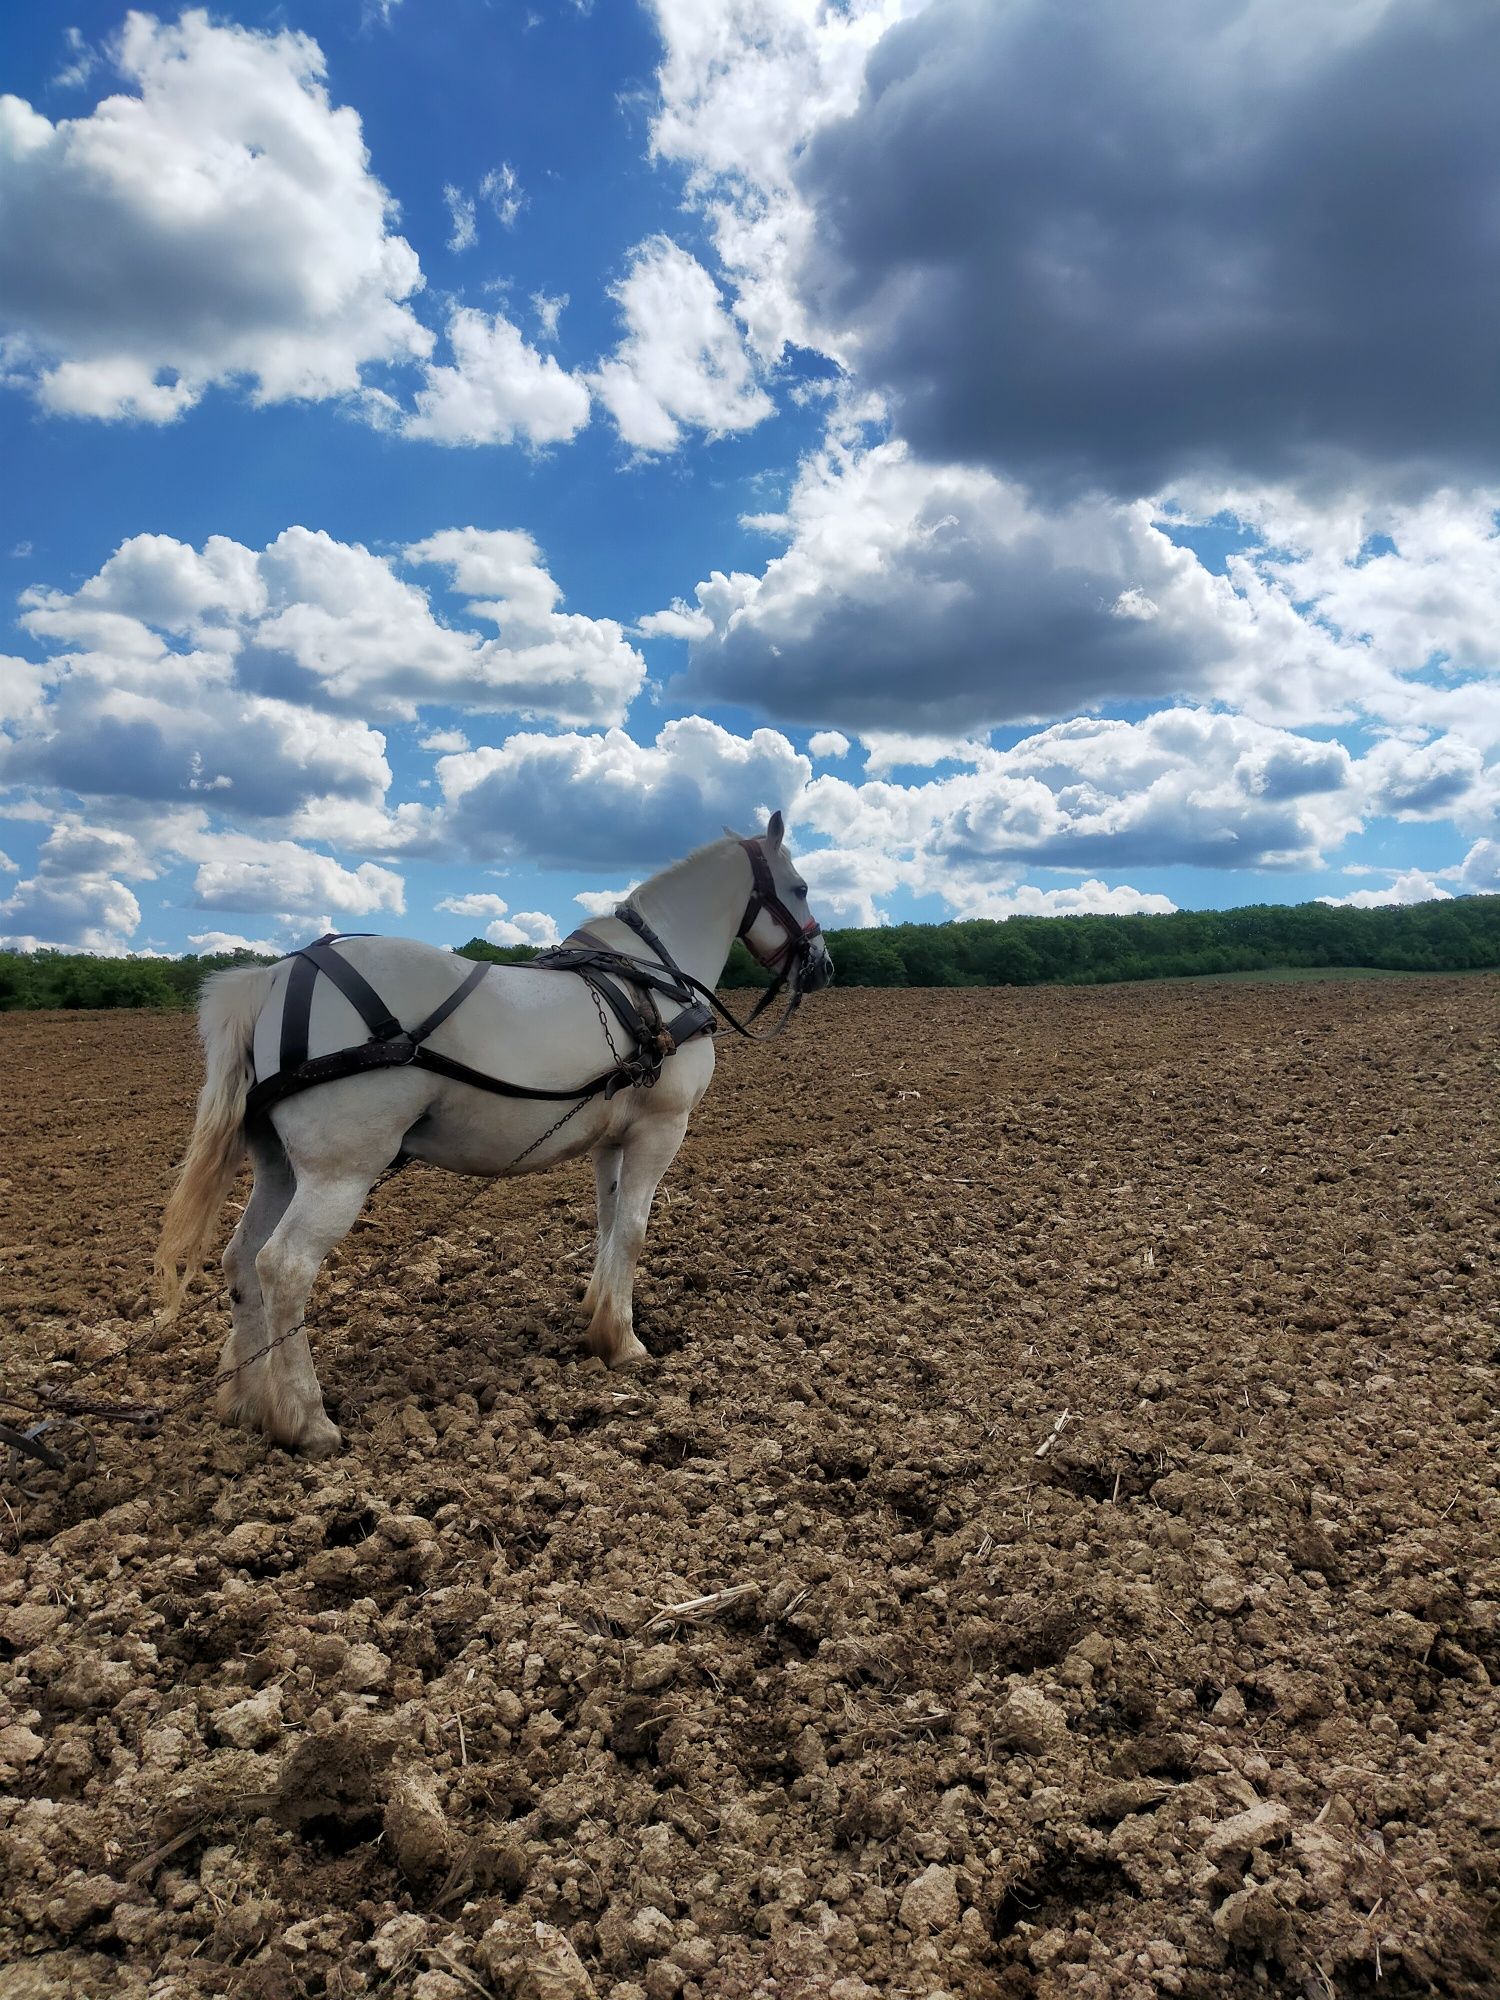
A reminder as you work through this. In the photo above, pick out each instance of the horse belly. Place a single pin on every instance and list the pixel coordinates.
(465, 1131)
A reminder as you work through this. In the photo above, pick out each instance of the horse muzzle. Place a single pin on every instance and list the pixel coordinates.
(816, 970)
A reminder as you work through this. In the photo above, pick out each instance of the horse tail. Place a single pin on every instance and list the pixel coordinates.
(228, 1009)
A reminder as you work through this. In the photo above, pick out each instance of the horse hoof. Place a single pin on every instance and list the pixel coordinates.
(318, 1438)
(321, 1439)
(631, 1355)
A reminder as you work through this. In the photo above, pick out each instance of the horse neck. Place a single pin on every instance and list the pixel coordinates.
(695, 907)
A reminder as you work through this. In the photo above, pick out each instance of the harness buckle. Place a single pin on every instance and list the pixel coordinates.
(637, 1072)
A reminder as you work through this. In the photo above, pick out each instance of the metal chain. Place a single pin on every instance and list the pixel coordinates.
(603, 1022)
(555, 1126)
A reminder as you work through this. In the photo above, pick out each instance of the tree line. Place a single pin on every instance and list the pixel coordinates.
(1460, 935)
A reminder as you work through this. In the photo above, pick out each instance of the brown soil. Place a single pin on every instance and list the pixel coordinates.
(1198, 1701)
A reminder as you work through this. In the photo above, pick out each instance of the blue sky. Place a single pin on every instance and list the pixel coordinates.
(460, 457)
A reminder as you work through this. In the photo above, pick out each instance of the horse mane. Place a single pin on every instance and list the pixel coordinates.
(665, 876)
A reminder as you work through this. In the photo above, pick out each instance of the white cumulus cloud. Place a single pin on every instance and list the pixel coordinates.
(75, 900)
(80, 913)
(593, 801)
(219, 225)
(1480, 870)
(279, 636)
(1184, 786)
(208, 943)
(1412, 887)
(602, 902)
(476, 904)
(1092, 898)
(497, 390)
(682, 361)
(238, 872)
(525, 927)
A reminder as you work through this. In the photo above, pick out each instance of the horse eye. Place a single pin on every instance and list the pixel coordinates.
(800, 890)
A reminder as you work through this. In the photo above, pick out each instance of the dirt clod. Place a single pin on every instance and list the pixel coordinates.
(790, 1670)
(931, 1901)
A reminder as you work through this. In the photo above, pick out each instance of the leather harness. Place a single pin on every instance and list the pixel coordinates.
(615, 978)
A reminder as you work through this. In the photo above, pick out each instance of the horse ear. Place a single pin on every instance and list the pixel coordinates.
(732, 834)
(774, 832)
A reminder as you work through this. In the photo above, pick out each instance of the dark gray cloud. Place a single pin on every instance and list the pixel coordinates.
(946, 639)
(1116, 245)
(915, 596)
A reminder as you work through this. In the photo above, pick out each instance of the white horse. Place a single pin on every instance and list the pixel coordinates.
(317, 1154)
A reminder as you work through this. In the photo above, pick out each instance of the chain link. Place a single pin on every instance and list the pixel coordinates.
(603, 1019)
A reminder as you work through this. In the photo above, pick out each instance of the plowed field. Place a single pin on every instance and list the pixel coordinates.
(1196, 1700)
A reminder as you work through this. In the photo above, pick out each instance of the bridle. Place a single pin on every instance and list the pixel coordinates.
(797, 949)
(791, 959)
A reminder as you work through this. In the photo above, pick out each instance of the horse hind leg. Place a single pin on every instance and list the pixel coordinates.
(321, 1212)
(241, 1397)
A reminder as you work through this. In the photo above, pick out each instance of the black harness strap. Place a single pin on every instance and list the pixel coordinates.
(440, 1014)
(356, 989)
(461, 1073)
(632, 918)
(630, 1017)
(400, 1053)
(392, 1047)
(296, 1011)
(606, 971)
(602, 965)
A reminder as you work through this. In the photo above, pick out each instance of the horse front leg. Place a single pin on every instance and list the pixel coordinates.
(607, 1160)
(648, 1149)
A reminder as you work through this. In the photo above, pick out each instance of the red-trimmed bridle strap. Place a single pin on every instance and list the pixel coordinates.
(763, 896)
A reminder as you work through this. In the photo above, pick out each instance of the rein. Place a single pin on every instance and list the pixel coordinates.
(643, 930)
(792, 957)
